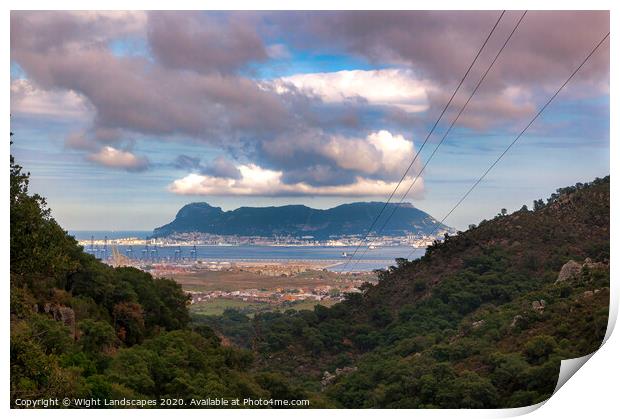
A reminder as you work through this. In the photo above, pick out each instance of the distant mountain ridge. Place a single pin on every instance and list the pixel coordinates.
(299, 220)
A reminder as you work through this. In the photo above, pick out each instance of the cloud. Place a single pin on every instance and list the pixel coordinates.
(439, 45)
(257, 181)
(221, 167)
(132, 96)
(388, 87)
(218, 167)
(119, 159)
(186, 162)
(133, 93)
(129, 93)
(92, 139)
(80, 141)
(193, 86)
(214, 103)
(46, 31)
(278, 51)
(204, 43)
(507, 107)
(29, 99)
(321, 132)
(380, 155)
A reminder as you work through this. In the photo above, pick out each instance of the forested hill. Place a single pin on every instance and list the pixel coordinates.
(299, 220)
(482, 320)
(83, 330)
(529, 245)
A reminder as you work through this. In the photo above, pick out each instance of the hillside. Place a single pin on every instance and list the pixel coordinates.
(482, 320)
(83, 330)
(298, 220)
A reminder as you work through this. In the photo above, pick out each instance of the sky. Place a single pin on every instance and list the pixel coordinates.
(124, 117)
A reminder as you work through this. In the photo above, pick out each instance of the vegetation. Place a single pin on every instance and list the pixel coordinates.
(217, 307)
(82, 329)
(479, 321)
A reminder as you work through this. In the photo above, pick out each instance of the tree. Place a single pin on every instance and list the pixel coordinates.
(539, 204)
(38, 244)
(96, 336)
(474, 392)
(129, 322)
(538, 348)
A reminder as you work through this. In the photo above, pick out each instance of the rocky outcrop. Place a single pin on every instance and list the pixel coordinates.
(63, 314)
(589, 264)
(538, 306)
(478, 324)
(329, 378)
(570, 270)
(516, 320)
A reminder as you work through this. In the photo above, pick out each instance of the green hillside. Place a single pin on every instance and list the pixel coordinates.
(81, 329)
(479, 321)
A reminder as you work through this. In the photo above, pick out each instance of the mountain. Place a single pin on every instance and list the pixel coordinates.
(482, 320)
(299, 220)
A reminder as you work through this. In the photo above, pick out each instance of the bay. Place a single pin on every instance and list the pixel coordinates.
(364, 260)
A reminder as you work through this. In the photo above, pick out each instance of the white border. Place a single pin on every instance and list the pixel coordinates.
(592, 392)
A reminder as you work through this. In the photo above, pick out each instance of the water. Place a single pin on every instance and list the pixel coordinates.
(336, 257)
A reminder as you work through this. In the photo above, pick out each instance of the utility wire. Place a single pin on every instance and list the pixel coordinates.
(426, 139)
(520, 134)
(454, 121)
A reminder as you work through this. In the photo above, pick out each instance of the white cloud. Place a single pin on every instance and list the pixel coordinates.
(380, 152)
(28, 99)
(112, 157)
(257, 181)
(388, 87)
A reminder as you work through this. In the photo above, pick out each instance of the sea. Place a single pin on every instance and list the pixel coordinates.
(339, 258)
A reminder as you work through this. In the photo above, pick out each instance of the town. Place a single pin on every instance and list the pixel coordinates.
(207, 239)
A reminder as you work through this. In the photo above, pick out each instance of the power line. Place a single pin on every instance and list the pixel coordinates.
(486, 172)
(484, 75)
(427, 137)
